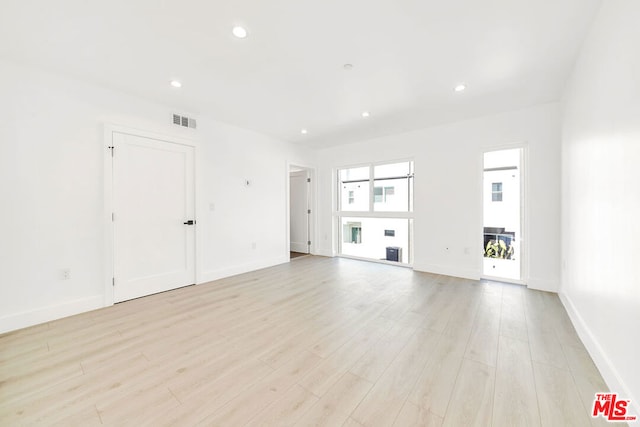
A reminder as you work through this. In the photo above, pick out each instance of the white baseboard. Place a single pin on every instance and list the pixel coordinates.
(608, 371)
(323, 252)
(25, 319)
(209, 276)
(464, 273)
(546, 285)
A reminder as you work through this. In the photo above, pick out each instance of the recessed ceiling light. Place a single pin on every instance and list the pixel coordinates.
(347, 67)
(304, 131)
(365, 114)
(239, 32)
(460, 87)
(176, 83)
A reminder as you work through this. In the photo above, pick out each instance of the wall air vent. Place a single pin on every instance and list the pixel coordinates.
(184, 121)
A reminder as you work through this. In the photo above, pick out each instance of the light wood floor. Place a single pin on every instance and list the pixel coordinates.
(318, 341)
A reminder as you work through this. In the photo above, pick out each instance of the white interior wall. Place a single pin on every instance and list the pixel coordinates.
(448, 189)
(51, 192)
(601, 196)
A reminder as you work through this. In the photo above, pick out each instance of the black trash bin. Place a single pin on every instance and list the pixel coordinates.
(394, 253)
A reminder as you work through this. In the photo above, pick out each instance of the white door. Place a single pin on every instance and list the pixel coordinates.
(299, 211)
(153, 202)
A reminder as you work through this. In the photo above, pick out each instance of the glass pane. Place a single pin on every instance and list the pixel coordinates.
(393, 187)
(391, 195)
(354, 196)
(353, 174)
(376, 238)
(354, 189)
(392, 170)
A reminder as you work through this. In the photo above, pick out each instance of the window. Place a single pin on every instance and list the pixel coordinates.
(352, 233)
(380, 194)
(377, 194)
(376, 201)
(496, 192)
(354, 189)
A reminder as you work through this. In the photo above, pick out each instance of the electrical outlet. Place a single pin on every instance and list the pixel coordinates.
(66, 274)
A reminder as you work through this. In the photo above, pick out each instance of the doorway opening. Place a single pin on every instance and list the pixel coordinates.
(502, 197)
(300, 211)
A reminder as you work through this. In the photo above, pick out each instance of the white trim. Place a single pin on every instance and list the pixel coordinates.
(46, 314)
(377, 261)
(540, 284)
(503, 280)
(109, 130)
(368, 214)
(524, 209)
(599, 356)
(464, 273)
(210, 276)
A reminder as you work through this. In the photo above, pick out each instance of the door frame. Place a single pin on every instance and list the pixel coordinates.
(109, 246)
(524, 211)
(313, 187)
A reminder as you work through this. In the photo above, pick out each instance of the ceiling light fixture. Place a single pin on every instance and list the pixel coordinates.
(239, 32)
(304, 131)
(459, 88)
(365, 114)
(176, 83)
(347, 67)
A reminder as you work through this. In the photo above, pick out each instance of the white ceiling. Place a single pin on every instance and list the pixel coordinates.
(407, 56)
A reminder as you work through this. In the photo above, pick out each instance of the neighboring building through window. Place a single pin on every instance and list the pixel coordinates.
(496, 192)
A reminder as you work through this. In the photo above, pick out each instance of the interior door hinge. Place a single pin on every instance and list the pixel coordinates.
(111, 148)
(308, 242)
(113, 281)
(113, 217)
(308, 179)
(308, 211)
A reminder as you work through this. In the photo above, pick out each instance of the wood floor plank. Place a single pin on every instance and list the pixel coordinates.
(287, 410)
(334, 408)
(471, 402)
(332, 368)
(483, 342)
(586, 377)
(263, 393)
(376, 360)
(558, 397)
(385, 400)
(414, 415)
(435, 384)
(317, 341)
(515, 402)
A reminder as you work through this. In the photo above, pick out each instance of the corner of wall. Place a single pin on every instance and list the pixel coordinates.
(608, 371)
(546, 285)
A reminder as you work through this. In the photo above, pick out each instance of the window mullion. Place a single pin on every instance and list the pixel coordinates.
(371, 191)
